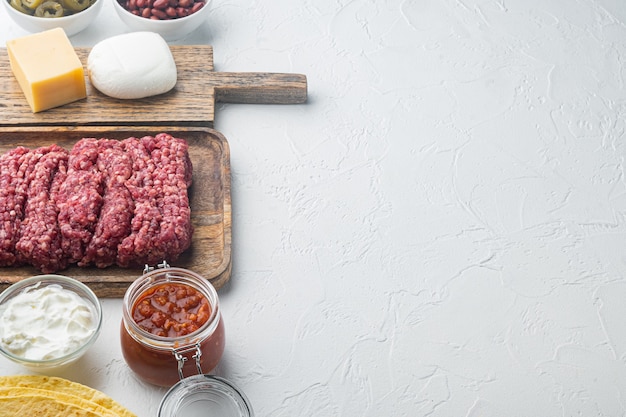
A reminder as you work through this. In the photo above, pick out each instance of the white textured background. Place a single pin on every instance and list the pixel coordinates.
(439, 231)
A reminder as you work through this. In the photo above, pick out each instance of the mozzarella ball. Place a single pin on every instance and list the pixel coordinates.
(131, 66)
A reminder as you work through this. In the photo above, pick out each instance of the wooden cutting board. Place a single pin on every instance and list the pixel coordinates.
(209, 195)
(190, 103)
(187, 111)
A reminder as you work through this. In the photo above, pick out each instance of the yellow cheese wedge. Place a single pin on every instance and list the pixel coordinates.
(47, 69)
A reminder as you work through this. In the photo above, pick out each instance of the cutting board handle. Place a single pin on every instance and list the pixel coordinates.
(259, 87)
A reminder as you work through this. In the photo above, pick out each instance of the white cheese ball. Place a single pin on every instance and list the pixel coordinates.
(132, 65)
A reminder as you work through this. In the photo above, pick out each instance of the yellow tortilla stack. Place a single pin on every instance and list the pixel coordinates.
(44, 396)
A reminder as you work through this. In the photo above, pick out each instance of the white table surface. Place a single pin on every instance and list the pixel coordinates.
(439, 231)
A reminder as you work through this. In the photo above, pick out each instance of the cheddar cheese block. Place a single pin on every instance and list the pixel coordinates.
(47, 69)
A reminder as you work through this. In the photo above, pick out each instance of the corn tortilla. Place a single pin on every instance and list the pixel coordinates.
(39, 407)
(55, 390)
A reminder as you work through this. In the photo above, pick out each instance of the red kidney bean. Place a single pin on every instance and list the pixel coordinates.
(197, 6)
(159, 13)
(162, 9)
(160, 4)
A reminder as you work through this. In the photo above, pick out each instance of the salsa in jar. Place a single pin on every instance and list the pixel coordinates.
(171, 326)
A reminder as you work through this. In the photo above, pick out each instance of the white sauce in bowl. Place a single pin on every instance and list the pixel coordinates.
(46, 323)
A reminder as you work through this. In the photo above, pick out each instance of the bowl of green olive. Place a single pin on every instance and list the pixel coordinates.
(39, 15)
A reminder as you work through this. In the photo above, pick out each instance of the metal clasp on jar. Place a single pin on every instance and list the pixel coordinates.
(147, 268)
(181, 359)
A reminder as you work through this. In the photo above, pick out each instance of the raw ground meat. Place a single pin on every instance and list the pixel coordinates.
(117, 210)
(161, 227)
(171, 179)
(81, 199)
(104, 202)
(39, 242)
(140, 247)
(13, 165)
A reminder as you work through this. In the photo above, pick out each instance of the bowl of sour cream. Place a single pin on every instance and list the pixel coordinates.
(48, 321)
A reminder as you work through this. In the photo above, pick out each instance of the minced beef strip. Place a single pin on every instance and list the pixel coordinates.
(161, 227)
(80, 199)
(103, 202)
(171, 179)
(139, 247)
(39, 242)
(13, 166)
(117, 210)
(25, 176)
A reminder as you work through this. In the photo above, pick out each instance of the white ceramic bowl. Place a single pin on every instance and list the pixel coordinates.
(72, 24)
(170, 30)
(56, 321)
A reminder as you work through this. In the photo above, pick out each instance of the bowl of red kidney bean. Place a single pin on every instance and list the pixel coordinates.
(172, 19)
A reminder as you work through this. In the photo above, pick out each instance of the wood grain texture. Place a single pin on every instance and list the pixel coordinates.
(259, 87)
(210, 200)
(190, 103)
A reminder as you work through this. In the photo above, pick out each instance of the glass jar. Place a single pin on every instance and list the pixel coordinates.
(164, 360)
(205, 396)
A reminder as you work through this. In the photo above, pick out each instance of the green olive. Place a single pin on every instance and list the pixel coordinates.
(49, 9)
(76, 5)
(19, 6)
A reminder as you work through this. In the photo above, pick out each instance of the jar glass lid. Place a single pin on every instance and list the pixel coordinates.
(205, 396)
